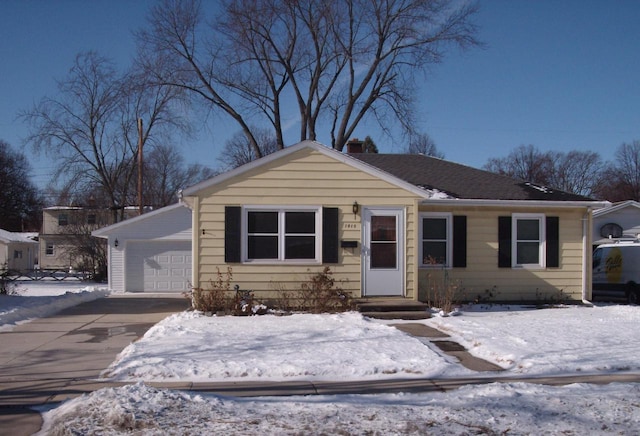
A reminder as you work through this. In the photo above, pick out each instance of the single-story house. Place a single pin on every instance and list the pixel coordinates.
(618, 220)
(151, 252)
(17, 251)
(384, 223)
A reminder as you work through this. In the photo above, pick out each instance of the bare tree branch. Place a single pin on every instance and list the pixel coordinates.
(344, 60)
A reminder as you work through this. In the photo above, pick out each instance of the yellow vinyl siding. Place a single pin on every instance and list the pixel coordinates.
(482, 273)
(307, 178)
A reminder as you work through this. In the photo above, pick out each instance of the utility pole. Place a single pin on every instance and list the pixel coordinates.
(140, 167)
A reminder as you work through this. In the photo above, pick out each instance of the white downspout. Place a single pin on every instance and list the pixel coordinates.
(585, 256)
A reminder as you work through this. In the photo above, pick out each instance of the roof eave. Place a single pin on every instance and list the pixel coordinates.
(616, 207)
(514, 203)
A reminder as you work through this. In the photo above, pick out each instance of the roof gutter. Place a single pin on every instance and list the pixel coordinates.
(586, 264)
(512, 203)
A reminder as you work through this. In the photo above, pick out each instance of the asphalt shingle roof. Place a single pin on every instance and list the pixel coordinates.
(461, 181)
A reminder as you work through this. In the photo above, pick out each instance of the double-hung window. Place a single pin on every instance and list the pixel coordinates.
(528, 243)
(436, 239)
(283, 234)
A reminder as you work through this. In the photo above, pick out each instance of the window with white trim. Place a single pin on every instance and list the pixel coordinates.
(49, 250)
(282, 235)
(528, 242)
(436, 239)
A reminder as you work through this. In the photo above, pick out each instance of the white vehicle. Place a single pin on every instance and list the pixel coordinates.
(616, 271)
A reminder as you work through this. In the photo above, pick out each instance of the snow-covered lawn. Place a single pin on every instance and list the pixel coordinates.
(36, 299)
(567, 340)
(191, 346)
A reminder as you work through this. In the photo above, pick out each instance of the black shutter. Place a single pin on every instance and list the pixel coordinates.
(330, 232)
(232, 234)
(504, 242)
(459, 241)
(553, 241)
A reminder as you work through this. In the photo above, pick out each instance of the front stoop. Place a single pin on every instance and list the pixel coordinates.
(444, 343)
(393, 309)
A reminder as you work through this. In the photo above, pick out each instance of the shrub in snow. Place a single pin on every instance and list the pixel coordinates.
(214, 298)
(319, 294)
(441, 292)
(218, 298)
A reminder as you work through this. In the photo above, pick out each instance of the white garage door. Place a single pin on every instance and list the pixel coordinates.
(158, 266)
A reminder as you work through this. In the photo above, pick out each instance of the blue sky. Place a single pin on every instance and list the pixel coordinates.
(561, 75)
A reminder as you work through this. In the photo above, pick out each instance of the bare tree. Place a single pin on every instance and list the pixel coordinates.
(423, 144)
(342, 60)
(620, 179)
(168, 174)
(577, 172)
(239, 151)
(90, 128)
(85, 252)
(525, 163)
(20, 200)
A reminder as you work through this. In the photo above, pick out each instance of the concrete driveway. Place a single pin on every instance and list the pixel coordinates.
(51, 359)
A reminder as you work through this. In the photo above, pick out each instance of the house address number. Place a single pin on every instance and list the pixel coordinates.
(350, 226)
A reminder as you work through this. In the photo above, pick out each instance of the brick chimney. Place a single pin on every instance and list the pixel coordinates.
(354, 145)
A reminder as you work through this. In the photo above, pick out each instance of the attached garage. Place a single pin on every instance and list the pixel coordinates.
(151, 252)
(158, 266)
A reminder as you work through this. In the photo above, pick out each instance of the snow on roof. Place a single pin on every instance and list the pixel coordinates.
(6, 237)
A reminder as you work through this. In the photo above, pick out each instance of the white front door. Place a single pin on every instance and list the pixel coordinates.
(382, 252)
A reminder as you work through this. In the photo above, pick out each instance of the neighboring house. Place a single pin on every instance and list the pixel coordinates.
(65, 227)
(17, 251)
(618, 220)
(151, 252)
(385, 223)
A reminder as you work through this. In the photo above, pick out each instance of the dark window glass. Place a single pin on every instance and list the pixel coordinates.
(383, 228)
(263, 247)
(528, 230)
(528, 241)
(383, 255)
(262, 222)
(528, 252)
(300, 247)
(91, 219)
(300, 222)
(266, 240)
(434, 253)
(63, 219)
(434, 228)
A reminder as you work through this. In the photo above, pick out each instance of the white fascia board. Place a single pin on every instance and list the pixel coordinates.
(321, 148)
(613, 208)
(513, 203)
(104, 232)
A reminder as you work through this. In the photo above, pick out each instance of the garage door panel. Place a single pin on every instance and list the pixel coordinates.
(158, 266)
